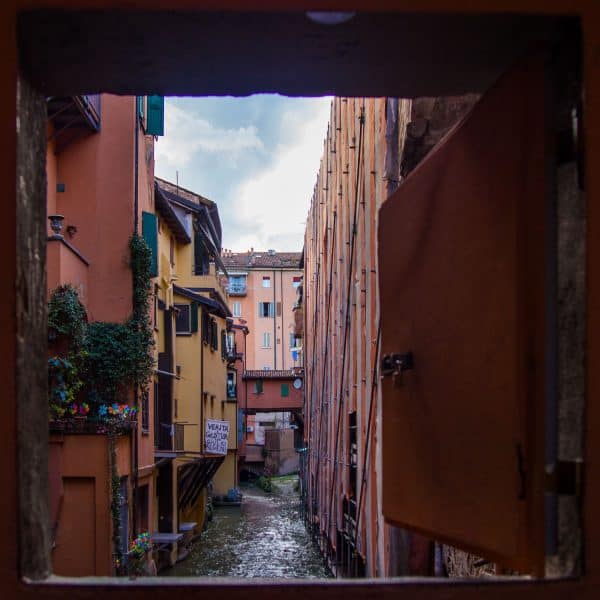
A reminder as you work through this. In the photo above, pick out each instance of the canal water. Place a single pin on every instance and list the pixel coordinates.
(264, 537)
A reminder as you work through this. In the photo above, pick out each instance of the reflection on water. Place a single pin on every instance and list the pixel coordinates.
(265, 537)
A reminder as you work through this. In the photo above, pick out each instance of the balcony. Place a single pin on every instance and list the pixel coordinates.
(73, 117)
(237, 288)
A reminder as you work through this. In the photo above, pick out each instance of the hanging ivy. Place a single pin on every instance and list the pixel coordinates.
(139, 324)
(66, 316)
(115, 504)
(109, 358)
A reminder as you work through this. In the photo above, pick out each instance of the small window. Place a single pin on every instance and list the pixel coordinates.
(230, 340)
(206, 327)
(296, 281)
(266, 340)
(266, 309)
(294, 340)
(155, 317)
(258, 386)
(279, 309)
(145, 412)
(201, 256)
(214, 337)
(266, 282)
(223, 344)
(172, 251)
(182, 320)
(237, 309)
(231, 388)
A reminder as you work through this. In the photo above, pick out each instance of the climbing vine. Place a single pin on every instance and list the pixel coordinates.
(115, 503)
(139, 323)
(66, 316)
(102, 359)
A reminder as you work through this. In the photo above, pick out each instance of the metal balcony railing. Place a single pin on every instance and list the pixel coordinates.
(237, 289)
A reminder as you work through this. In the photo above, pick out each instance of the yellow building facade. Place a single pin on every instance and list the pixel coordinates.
(196, 419)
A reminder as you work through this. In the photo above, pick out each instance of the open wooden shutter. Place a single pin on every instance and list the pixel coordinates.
(150, 235)
(461, 256)
(155, 106)
(194, 317)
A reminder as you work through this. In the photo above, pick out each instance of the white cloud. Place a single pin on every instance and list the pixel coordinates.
(187, 134)
(273, 204)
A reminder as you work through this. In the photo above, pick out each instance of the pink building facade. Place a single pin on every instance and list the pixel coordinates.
(262, 293)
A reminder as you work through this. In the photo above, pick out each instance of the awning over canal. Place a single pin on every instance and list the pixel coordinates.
(193, 476)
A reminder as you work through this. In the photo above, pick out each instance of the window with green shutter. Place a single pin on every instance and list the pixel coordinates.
(150, 235)
(285, 390)
(155, 119)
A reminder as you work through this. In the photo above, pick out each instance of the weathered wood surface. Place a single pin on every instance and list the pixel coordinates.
(31, 322)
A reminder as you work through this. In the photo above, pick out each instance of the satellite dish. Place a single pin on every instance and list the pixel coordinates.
(297, 383)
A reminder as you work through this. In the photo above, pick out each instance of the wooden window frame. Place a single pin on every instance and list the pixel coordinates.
(178, 306)
(21, 569)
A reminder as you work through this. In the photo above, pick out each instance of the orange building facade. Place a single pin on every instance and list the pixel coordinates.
(96, 194)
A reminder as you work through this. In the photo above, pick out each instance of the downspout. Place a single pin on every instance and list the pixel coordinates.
(245, 332)
(282, 321)
(202, 379)
(136, 397)
(274, 322)
(136, 174)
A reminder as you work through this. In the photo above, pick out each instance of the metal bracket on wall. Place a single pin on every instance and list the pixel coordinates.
(395, 364)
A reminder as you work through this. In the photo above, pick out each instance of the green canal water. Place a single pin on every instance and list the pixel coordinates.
(265, 537)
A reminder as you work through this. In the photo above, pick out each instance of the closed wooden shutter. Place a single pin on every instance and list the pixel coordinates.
(461, 255)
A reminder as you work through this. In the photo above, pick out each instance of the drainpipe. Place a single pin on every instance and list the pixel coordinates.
(282, 321)
(136, 175)
(274, 322)
(202, 320)
(136, 398)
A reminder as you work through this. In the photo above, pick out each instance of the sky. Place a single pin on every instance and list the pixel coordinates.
(256, 157)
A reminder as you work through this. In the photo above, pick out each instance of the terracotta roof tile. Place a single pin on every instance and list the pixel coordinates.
(260, 260)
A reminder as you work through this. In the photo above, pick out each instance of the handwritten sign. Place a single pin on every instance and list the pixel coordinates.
(215, 436)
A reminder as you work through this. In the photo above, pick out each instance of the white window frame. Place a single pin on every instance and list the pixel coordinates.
(236, 309)
(266, 281)
(266, 341)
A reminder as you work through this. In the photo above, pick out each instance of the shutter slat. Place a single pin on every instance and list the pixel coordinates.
(150, 235)
(155, 106)
(194, 317)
